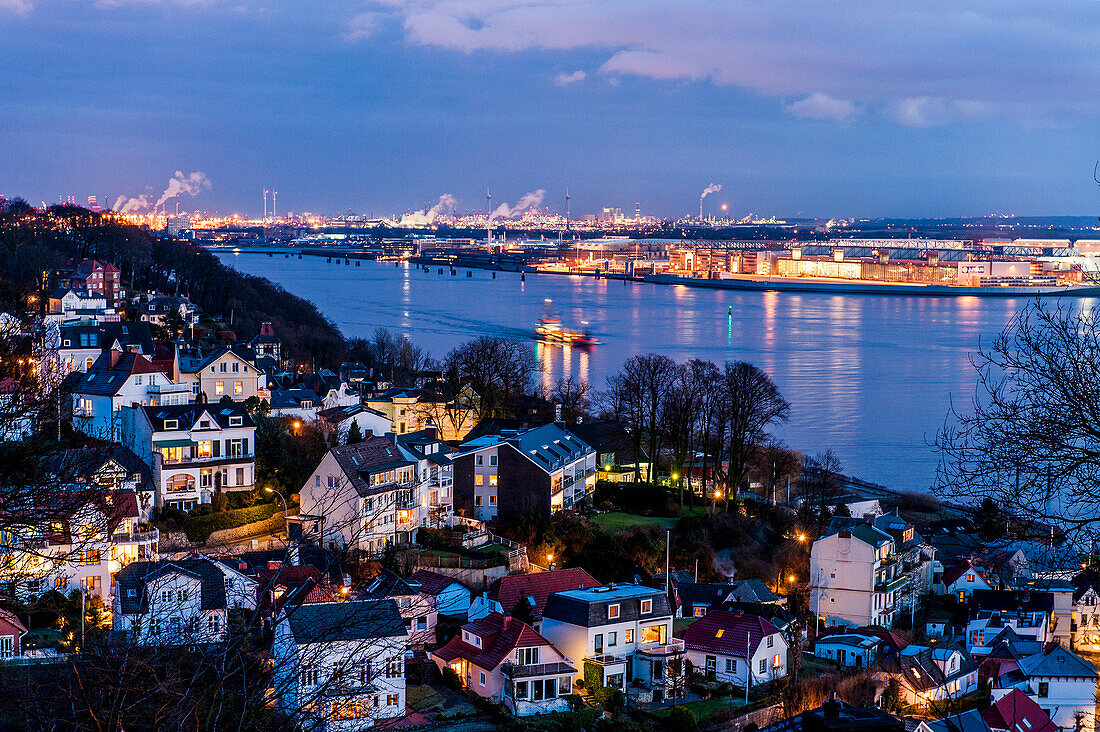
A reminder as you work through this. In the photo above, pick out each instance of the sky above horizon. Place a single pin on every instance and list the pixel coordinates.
(836, 108)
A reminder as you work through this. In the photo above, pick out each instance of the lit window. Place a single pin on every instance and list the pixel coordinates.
(238, 387)
(492, 480)
(219, 387)
(479, 480)
(612, 611)
(647, 607)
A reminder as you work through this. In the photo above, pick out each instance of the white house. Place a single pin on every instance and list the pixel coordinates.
(179, 602)
(417, 608)
(623, 636)
(853, 650)
(1086, 620)
(118, 379)
(193, 449)
(377, 492)
(341, 418)
(735, 648)
(340, 665)
(1059, 681)
(965, 577)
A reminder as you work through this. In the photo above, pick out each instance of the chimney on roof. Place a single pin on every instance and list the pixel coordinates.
(504, 622)
(114, 355)
(831, 708)
(274, 564)
(266, 329)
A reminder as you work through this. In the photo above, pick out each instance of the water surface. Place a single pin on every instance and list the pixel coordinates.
(869, 376)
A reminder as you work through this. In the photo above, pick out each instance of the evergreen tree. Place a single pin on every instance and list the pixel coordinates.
(355, 435)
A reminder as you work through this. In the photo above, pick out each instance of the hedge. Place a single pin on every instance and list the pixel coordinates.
(199, 528)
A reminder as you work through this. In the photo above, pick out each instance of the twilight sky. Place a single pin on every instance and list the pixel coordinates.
(811, 107)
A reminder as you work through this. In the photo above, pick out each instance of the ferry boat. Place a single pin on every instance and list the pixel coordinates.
(550, 329)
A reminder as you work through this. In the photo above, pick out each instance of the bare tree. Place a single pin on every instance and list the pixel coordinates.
(572, 394)
(1030, 440)
(497, 369)
(752, 404)
(775, 464)
(637, 395)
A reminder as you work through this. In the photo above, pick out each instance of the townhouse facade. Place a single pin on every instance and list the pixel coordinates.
(1062, 683)
(340, 666)
(224, 372)
(378, 492)
(179, 602)
(622, 636)
(862, 574)
(194, 450)
(545, 469)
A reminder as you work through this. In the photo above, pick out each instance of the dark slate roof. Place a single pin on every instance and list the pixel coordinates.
(291, 398)
(969, 721)
(137, 575)
(387, 584)
(919, 670)
(433, 583)
(727, 633)
(1012, 601)
(326, 622)
(709, 594)
(189, 414)
(549, 447)
(82, 463)
(104, 380)
(374, 454)
(1057, 662)
(588, 608)
(610, 437)
(128, 334)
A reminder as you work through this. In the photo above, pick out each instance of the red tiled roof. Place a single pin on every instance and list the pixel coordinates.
(499, 637)
(721, 631)
(432, 583)
(1013, 709)
(950, 576)
(540, 585)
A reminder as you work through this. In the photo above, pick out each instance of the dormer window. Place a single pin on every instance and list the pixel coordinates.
(613, 611)
(236, 421)
(171, 424)
(646, 607)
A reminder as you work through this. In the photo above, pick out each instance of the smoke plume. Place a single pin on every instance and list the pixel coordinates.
(712, 188)
(429, 216)
(529, 201)
(192, 184)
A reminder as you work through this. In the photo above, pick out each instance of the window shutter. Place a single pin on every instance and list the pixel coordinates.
(245, 445)
(217, 448)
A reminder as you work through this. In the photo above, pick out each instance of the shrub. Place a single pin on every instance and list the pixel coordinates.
(199, 528)
(681, 719)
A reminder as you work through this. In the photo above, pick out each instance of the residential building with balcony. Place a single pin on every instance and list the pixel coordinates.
(622, 634)
(736, 648)
(179, 602)
(1028, 613)
(95, 276)
(866, 571)
(509, 662)
(95, 533)
(118, 379)
(375, 493)
(194, 450)
(544, 469)
(340, 666)
(1086, 620)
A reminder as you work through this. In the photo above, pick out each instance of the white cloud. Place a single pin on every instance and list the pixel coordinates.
(361, 27)
(564, 79)
(16, 7)
(935, 111)
(928, 63)
(822, 106)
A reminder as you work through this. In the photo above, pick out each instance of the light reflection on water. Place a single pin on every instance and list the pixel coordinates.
(868, 376)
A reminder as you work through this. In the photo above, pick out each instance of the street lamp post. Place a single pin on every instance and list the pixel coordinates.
(286, 510)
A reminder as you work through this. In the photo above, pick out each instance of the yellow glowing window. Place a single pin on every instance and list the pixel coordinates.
(720, 633)
(219, 387)
(205, 449)
(492, 480)
(479, 480)
(238, 387)
(652, 634)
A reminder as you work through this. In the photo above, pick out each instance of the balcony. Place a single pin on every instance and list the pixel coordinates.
(538, 669)
(207, 460)
(673, 647)
(137, 537)
(168, 388)
(890, 585)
